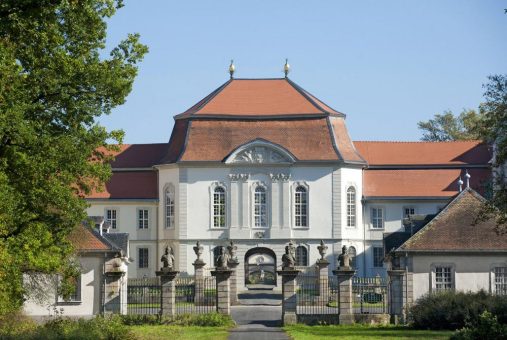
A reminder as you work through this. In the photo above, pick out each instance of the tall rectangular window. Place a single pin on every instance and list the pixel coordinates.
(143, 258)
(443, 278)
(142, 219)
(260, 207)
(301, 207)
(76, 295)
(500, 280)
(169, 207)
(111, 217)
(377, 218)
(219, 207)
(378, 257)
(351, 207)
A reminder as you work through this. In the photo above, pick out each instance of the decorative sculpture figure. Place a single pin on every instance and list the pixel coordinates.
(344, 259)
(222, 259)
(198, 252)
(232, 248)
(167, 259)
(288, 259)
(322, 250)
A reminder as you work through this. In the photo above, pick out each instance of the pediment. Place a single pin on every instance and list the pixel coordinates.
(260, 152)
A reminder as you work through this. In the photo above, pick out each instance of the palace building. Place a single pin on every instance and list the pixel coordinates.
(261, 162)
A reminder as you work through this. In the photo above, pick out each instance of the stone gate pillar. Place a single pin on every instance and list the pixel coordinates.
(289, 298)
(223, 297)
(199, 282)
(322, 272)
(397, 295)
(233, 282)
(168, 291)
(345, 297)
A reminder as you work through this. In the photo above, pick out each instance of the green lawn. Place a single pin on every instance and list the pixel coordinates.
(361, 332)
(152, 332)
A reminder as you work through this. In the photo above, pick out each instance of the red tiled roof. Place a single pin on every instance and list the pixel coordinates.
(455, 229)
(424, 153)
(259, 98)
(138, 155)
(130, 184)
(82, 238)
(420, 182)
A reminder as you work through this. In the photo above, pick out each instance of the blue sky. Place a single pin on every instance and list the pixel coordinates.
(386, 64)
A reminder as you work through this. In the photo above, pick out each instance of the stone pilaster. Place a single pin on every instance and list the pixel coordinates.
(223, 290)
(289, 298)
(168, 292)
(345, 297)
(322, 272)
(199, 282)
(233, 265)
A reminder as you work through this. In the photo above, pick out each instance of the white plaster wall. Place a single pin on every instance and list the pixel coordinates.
(472, 272)
(92, 268)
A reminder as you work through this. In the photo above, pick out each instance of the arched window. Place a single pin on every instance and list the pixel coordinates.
(352, 254)
(351, 207)
(169, 207)
(219, 207)
(301, 256)
(301, 207)
(260, 207)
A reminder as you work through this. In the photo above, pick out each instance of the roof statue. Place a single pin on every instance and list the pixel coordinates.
(286, 68)
(232, 68)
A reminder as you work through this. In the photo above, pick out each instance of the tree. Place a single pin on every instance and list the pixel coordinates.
(494, 110)
(447, 126)
(54, 84)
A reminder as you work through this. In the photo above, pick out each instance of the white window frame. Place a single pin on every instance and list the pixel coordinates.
(212, 188)
(435, 268)
(116, 219)
(169, 206)
(143, 222)
(76, 298)
(139, 263)
(267, 205)
(494, 283)
(294, 188)
(375, 257)
(351, 217)
(372, 224)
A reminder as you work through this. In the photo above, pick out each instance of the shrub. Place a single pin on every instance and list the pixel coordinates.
(487, 327)
(202, 320)
(136, 320)
(15, 323)
(453, 310)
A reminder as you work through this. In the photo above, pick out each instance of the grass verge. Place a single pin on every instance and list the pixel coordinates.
(152, 332)
(363, 332)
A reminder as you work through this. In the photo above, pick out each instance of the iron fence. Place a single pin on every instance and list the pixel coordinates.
(143, 296)
(195, 296)
(316, 295)
(370, 295)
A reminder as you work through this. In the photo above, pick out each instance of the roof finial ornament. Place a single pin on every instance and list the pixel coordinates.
(460, 184)
(467, 176)
(286, 67)
(232, 68)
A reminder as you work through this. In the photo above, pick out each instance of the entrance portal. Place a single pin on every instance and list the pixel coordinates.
(260, 268)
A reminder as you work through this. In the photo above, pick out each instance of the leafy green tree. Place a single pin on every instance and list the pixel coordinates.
(447, 126)
(494, 110)
(54, 84)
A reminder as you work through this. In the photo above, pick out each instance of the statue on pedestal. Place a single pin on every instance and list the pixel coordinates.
(198, 249)
(232, 249)
(288, 259)
(222, 259)
(322, 250)
(167, 259)
(344, 259)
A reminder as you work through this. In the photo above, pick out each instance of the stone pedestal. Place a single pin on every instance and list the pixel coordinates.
(322, 272)
(199, 298)
(345, 297)
(234, 282)
(397, 295)
(223, 299)
(289, 298)
(115, 293)
(168, 291)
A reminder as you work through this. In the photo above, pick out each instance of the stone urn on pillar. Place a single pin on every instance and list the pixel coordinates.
(199, 264)
(322, 272)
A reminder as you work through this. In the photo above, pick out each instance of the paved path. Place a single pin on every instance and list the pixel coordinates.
(257, 323)
(260, 297)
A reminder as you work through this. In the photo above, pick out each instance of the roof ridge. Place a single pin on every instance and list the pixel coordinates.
(311, 98)
(419, 141)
